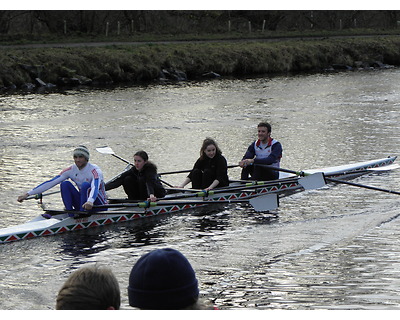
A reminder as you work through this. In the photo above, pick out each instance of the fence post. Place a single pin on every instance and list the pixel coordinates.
(249, 26)
(229, 26)
(65, 26)
(263, 26)
(107, 24)
(118, 28)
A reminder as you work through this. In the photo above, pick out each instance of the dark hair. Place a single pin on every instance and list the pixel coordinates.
(266, 125)
(206, 143)
(142, 154)
(145, 157)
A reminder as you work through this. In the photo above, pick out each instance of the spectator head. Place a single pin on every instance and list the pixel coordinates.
(90, 288)
(163, 279)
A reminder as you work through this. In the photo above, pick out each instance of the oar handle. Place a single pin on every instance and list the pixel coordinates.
(143, 204)
(297, 173)
(185, 171)
(40, 195)
(120, 158)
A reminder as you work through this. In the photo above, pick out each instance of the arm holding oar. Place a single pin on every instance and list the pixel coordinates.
(42, 187)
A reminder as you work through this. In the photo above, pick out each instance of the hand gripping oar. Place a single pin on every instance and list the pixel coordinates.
(265, 202)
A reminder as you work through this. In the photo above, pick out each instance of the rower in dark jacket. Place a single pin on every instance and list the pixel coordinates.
(210, 170)
(141, 182)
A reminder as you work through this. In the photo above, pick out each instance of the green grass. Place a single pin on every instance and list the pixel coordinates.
(143, 62)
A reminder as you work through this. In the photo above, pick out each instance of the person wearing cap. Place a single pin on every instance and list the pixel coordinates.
(92, 287)
(163, 279)
(88, 179)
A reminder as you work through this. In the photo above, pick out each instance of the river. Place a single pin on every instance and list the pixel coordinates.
(327, 249)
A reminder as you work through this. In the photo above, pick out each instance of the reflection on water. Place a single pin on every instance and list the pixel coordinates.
(333, 248)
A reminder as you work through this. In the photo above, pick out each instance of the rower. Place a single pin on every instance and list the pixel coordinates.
(264, 151)
(210, 170)
(141, 182)
(87, 177)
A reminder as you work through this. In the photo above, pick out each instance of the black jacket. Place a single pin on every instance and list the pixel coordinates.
(146, 178)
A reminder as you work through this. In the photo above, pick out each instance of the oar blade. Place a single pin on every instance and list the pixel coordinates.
(266, 202)
(313, 181)
(105, 150)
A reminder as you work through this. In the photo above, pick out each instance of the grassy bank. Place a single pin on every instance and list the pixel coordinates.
(143, 62)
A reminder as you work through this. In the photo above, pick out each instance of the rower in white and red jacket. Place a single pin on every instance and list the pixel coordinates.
(264, 151)
(87, 177)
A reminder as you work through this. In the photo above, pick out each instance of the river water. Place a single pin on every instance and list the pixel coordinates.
(332, 248)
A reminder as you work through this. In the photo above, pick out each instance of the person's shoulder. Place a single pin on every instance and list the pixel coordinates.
(94, 167)
(68, 169)
(150, 166)
(220, 157)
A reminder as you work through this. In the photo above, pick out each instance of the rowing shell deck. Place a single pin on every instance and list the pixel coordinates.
(60, 222)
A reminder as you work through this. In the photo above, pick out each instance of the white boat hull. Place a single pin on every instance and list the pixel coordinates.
(61, 223)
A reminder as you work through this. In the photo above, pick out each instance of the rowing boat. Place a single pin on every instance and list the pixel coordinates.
(61, 222)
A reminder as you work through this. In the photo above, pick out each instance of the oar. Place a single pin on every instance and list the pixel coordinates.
(361, 185)
(185, 171)
(261, 203)
(249, 186)
(307, 180)
(40, 195)
(337, 180)
(108, 150)
(183, 189)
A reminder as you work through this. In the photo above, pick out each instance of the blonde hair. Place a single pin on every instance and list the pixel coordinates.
(90, 288)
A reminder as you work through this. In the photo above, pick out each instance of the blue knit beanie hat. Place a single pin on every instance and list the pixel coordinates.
(162, 279)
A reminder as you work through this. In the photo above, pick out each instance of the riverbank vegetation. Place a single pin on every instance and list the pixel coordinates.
(188, 45)
(146, 62)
